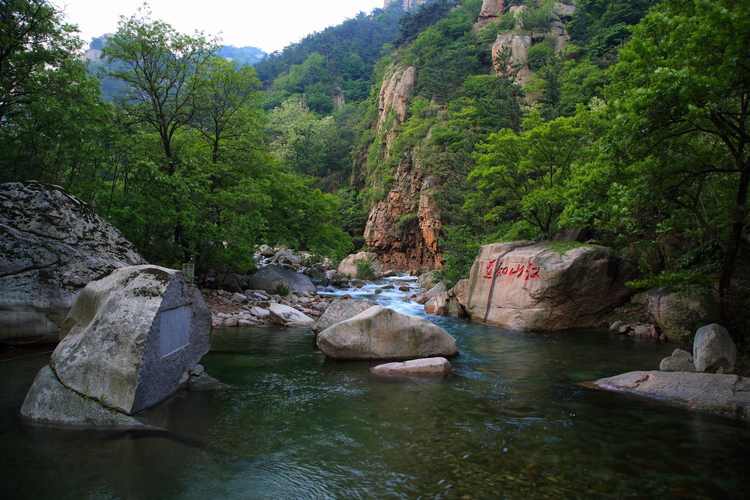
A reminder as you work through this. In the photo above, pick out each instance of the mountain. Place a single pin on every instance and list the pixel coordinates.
(244, 56)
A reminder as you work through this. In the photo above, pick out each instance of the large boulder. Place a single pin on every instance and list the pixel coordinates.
(275, 279)
(436, 290)
(727, 395)
(48, 402)
(132, 338)
(714, 350)
(545, 286)
(678, 313)
(348, 266)
(51, 245)
(341, 310)
(380, 333)
(429, 367)
(438, 305)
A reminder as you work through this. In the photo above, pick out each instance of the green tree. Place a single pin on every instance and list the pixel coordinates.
(685, 75)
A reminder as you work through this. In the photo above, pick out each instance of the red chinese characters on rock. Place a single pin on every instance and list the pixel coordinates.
(526, 272)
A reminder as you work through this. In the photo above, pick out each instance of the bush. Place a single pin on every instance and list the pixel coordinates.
(282, 290)
(540, 54)
(365, 270)
(538, 18)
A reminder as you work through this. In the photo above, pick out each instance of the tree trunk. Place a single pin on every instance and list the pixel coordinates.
(733, 246)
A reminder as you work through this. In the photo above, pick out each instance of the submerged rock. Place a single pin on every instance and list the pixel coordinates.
(727, 395)
(380, 333)
(541, 286)
(51, 403)
(132, 337)
(341, 310)
(51, 245)
(428, 367)
(714, 350)
(276, 279)
(679, 361)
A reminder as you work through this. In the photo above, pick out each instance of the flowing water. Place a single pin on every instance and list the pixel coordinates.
(510, 423)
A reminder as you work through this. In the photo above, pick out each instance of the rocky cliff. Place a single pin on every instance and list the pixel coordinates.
(403, 228)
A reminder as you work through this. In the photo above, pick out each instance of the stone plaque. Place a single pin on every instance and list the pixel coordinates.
(174, 330)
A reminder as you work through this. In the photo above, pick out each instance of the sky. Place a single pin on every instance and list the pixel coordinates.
(268, 24)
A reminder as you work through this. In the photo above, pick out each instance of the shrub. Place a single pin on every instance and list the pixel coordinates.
(540, 54)
(365, 270)
(282, 290)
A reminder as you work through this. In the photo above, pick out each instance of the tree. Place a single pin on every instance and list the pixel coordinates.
(162, 69)
(685, 75)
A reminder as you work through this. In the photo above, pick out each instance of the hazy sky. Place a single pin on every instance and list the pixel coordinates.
(268, 24)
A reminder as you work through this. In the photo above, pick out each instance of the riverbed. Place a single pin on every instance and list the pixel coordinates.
(511, 422)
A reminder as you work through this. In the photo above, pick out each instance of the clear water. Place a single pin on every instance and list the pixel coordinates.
(510, 423)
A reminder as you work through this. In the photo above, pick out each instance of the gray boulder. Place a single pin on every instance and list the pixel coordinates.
(436, 290)
(348, 266)
(341, 310)
(273, 278)
(727, 395)
(679, 361)
(380, 333)
(714, 350)
(48, 402)
(51, 246)
(678, 313)
(429, 367)
(288, 316)
(132, 337)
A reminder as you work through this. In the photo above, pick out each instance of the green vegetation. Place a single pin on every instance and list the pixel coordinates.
(365, 271)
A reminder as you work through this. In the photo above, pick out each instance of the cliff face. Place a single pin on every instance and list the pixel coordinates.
(406, 4)
(403, 228)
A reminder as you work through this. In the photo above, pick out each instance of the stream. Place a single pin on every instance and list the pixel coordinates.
(511, 422)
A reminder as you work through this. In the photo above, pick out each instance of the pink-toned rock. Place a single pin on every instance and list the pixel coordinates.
(429, 367)
(437, 305)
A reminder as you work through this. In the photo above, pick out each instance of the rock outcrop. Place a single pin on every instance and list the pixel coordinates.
(679, 361)
(277, 279)
(429, 367)
(51, 246)
(403, 229)
(533, 286)
(726, 395)
(341, 310)
(380, 333)
(288, 316)
(395, 93)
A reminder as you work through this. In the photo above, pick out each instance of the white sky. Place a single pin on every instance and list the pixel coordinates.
(267, 24)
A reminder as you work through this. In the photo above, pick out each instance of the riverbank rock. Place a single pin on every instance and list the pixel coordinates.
(348, 266)
(51, 245)
(132, 338)
(288, 316)
(341, 310)
(429, 367)
(436, 290)
(438, 305)
(678, 313)
(277, 279)
(714, 350)
(679, 361)
(727, 395)
(380, 333)
(545, 286)
(48, 402)
(428, 280)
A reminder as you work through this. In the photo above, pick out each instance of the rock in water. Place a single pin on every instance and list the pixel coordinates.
(274, 279)
(288, 316)
(132, 337)
(49, 402)
(727, 395)
(51, 246)
(380, 333)
(678, 313)
(679, 361)
(714, 350)
(341, 310)
(535, 286)
(429, 367)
